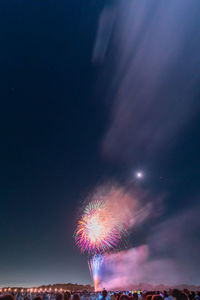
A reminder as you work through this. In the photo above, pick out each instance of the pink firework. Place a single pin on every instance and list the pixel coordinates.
(96, 230)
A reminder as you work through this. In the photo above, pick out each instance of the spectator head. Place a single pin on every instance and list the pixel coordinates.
(135, 296)
(186, 291)
(59, 297)
(157, 297)
(37, 298)
(176, 293)
(119, 295)
(67, 295)
(183, 296)
(165, 294)
(148, 297)
(104, 294)
(124, 297)
(76, 297)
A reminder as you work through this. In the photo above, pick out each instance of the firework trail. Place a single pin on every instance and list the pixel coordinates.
(94, 265)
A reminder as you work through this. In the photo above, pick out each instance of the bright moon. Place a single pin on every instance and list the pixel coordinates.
(139, 174)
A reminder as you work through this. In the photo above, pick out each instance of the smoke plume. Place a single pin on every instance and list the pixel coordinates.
(168, 258)
(153, 65)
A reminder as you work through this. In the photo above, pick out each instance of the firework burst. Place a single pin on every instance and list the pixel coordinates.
(96, 230)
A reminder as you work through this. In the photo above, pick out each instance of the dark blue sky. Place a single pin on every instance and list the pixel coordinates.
(50, 130)
(52, 126)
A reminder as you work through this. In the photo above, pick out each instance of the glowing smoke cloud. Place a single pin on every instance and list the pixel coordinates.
(170, 257)
(122, 270)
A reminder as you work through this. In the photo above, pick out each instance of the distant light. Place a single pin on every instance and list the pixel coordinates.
(139, 175)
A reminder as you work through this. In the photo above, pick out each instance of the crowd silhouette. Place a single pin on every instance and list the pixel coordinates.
(172, 294)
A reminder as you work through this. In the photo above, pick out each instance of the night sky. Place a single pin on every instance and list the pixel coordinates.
(56, 132)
